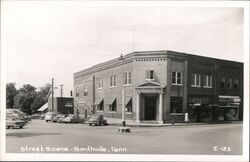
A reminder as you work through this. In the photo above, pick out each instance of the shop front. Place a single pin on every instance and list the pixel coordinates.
(200, 109)
(229, 108)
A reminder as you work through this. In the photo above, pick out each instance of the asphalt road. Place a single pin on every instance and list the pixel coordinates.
(39, 136)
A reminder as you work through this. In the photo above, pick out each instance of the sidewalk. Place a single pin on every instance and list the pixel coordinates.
(131, 124)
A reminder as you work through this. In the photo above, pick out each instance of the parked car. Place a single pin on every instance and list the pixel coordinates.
(59, 118)
(35, 116)
(12, 122)
(22, 115)
(49, 116)
(97, 120)
(73, 119)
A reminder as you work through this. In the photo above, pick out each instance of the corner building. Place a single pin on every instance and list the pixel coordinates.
(160, 87)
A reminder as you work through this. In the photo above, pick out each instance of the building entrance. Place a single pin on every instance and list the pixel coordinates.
(150, 108)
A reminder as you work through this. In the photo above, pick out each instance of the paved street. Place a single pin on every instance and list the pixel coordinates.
(39, 136)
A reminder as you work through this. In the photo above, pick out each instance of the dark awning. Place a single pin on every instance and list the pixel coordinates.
(127, 99)
(109, 100)
(98, 101)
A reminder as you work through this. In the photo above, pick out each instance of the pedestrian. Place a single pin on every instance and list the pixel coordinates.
(186, 117)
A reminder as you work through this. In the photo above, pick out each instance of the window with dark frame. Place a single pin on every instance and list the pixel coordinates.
(112, 81)
(85, 91)
(127, 78)
(229, 83)
(208, 81)
(77, 92)
(223, 82)
(176, 78)
(176, 105)
(196, 80)
(100, 83)
(150, 74)
(236, 83)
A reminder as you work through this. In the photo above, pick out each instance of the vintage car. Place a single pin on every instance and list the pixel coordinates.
(49, 116)
(97, 120)
(13, 122)
(73, 119)
(59, 118)
(22, 115)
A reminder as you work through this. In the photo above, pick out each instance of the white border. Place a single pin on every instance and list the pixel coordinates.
(130, 157)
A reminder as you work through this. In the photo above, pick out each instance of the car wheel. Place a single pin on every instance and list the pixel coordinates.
(46, 120)
(21, 127)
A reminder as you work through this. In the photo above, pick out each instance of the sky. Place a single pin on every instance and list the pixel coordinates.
(45, 40)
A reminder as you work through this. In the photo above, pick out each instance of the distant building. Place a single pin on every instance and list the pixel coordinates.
(161, 86)
(62, 105)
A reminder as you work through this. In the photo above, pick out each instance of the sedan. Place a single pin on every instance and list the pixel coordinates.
(73, 119)
(97, 120)
(59, 118)
(12, 122)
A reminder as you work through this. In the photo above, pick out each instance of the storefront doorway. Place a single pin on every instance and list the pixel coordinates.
(150, 107)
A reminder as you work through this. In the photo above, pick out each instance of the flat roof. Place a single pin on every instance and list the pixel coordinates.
(167, 53)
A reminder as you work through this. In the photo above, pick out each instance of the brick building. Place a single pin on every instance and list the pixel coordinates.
(160, 86)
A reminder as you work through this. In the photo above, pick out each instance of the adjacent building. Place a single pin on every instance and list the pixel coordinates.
(160, 87)
(62, 105)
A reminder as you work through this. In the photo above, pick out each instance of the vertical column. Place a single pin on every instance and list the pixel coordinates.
(185, 87)
(123, 105)
(160, 108)
(137, 108)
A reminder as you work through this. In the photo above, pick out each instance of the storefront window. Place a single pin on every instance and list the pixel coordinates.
(176, 105)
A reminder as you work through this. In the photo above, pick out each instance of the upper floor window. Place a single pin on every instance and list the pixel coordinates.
(208, 81)
(77, 92)
(100, 83)
(85, 91)
(177, 78)
(196, 80)
(223, 82)
(229, 83)
(236, 83)
(150, 74)
(127, 78)
(112, 81)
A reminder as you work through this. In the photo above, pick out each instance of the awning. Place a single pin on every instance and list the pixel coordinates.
(127, 99)
(109, 100)
(44, 107)
(98, 101)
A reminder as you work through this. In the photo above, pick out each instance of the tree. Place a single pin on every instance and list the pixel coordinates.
(11, 92)
(25, 97)
(40, 99)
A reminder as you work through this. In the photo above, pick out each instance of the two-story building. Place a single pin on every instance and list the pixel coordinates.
(160, 86)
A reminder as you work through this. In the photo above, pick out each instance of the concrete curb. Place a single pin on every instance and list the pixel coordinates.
(176, 124)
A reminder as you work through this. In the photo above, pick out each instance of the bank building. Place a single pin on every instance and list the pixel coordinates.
(160, 87)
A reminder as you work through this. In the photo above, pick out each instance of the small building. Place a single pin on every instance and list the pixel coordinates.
(62, 105)
(161, 86)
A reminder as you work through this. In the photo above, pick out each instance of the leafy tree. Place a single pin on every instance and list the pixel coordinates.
(25, 97)
(11, 92)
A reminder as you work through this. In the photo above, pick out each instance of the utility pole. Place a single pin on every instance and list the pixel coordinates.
(52, 92)
(61, 91)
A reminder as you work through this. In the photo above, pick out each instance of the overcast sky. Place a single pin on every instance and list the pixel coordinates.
(45, 41)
